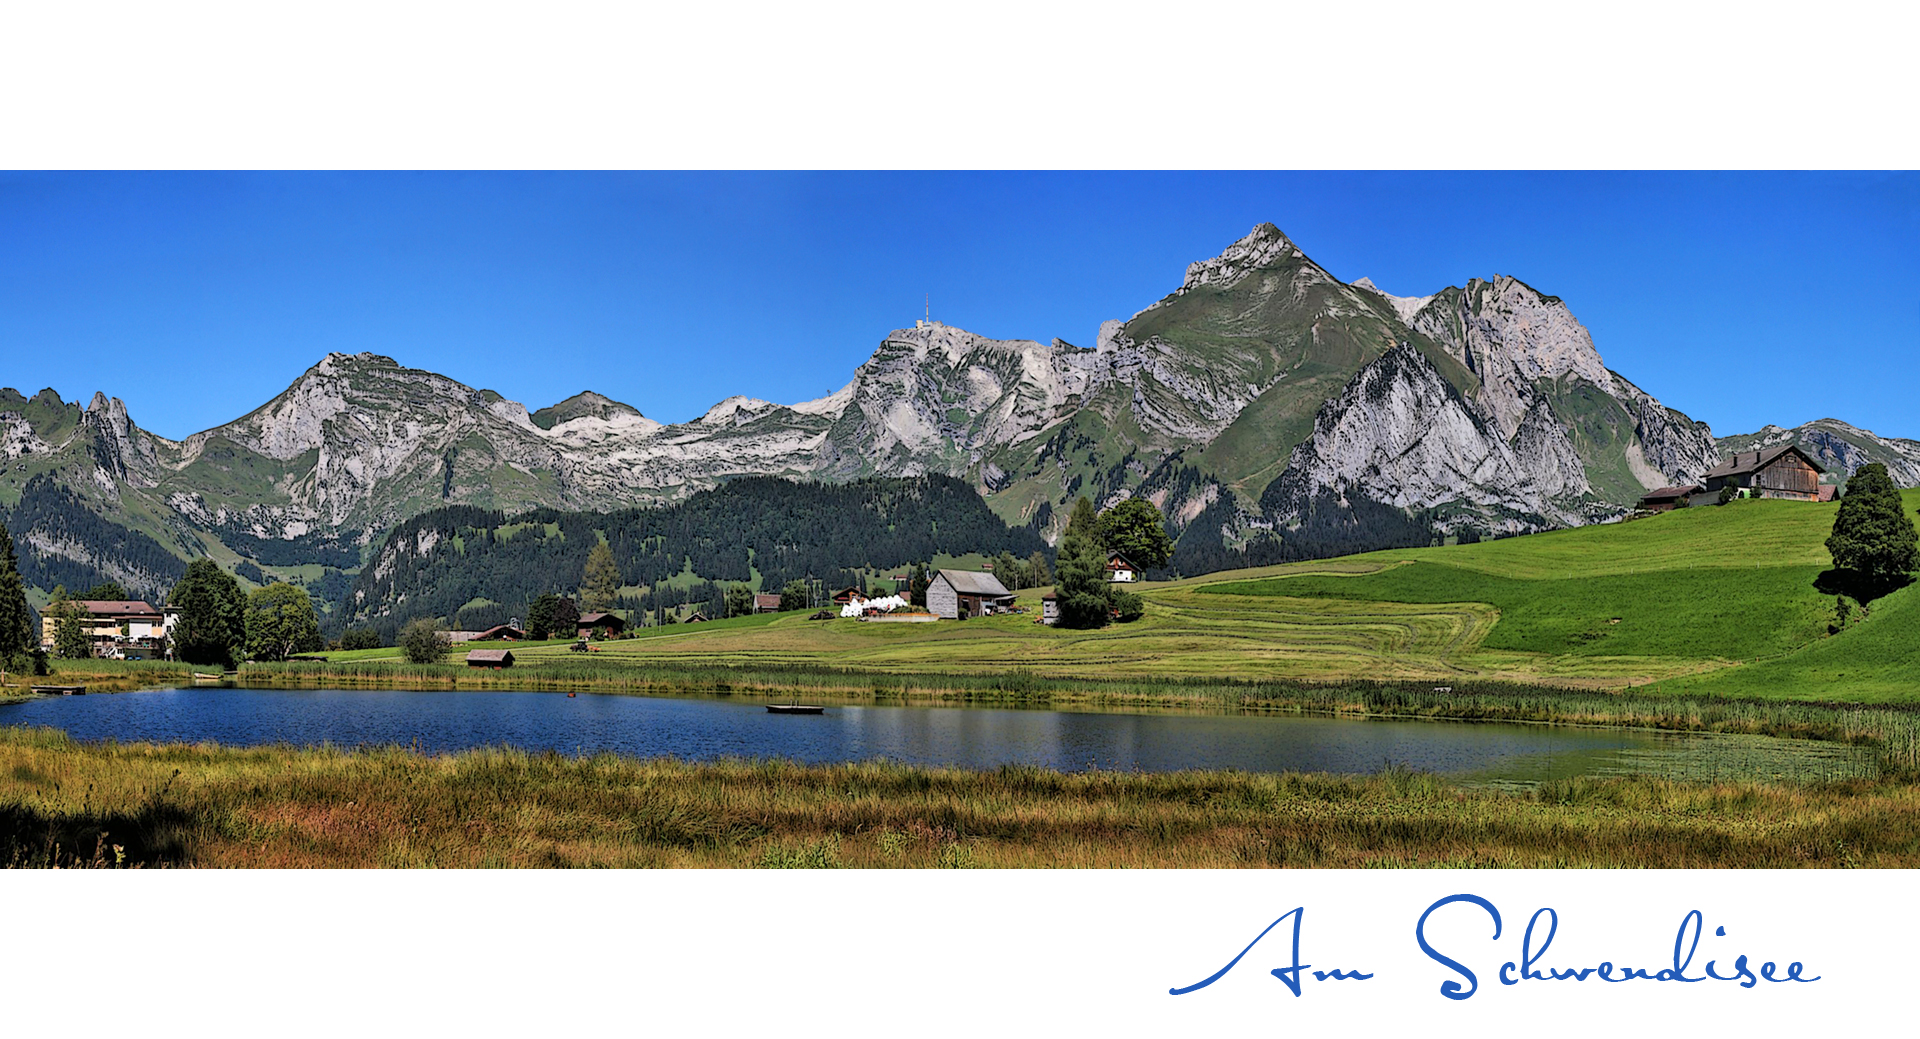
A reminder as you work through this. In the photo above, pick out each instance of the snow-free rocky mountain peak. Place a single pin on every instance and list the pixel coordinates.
(1269, 408)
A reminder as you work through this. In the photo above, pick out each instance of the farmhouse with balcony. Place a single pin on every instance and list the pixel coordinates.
(970, 593)
(1120, 570)
(119, 629)
(1782, 471)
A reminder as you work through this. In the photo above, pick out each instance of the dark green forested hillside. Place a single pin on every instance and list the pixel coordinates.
(475, 567)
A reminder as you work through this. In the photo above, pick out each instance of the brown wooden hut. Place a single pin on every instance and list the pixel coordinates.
(1666, 498)
(494, 658)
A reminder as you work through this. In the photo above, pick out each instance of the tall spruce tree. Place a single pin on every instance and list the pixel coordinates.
(1038, 572)
(17, 641)
(600, 583)
(1872, 535)
(1083, 520)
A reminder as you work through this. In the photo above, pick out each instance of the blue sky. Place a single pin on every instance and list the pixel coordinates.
(1738, 298)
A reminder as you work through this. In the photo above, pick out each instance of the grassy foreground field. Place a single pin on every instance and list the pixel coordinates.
(63, 803)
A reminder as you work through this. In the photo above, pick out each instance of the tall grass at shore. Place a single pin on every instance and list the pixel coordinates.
(66, 803)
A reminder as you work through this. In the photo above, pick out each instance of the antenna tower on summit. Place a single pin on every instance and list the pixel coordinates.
(929, 308)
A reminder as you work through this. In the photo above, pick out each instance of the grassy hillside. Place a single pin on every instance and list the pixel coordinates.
(1678, 594)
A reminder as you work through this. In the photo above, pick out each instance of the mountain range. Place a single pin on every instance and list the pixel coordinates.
(1270, 409)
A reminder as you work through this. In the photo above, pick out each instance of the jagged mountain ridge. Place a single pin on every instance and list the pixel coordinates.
(1260, 386)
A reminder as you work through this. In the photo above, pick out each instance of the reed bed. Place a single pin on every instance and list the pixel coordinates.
(64, 803)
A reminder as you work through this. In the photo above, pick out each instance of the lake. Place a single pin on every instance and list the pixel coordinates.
(699, 729)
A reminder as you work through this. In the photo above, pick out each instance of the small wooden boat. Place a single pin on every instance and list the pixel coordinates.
(794, 708)
(214, 681)
(63, 690)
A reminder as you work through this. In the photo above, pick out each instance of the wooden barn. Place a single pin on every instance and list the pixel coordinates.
(501, 633)
(766, 602)
(971, 593)
(1666, 498)
(600, 625)
(495, 658)
(1782, 471)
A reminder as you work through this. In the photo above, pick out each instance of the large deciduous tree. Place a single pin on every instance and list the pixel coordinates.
(739, 600)
(1080, 583)
(552, 617)
(423, 641)
(281, 622)
(1872, 536)
(212, 627)
(1135, 529)
(793, 596)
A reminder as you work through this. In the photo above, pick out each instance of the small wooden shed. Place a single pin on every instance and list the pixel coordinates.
(495, 658)
(973, 593)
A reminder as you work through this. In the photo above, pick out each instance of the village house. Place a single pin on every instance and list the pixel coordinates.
(1120, 570)
(849, 595)
(1782, 471)
(494, 658)
(1050, 608)
(966, 593)
(119, 629)
(600, 626)
(1666, 498)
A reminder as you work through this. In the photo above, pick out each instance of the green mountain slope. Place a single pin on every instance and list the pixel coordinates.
(1731, 592)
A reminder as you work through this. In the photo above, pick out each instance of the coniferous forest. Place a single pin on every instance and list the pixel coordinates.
(475, 567)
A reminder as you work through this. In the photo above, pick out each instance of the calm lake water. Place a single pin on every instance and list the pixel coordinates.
(975, 737)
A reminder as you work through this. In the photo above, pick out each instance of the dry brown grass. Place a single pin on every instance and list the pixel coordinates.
(277, 807)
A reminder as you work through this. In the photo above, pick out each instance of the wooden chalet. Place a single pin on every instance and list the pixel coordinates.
(696, 617)
(973, 593)
(1666, 498)
(1782, 471)
(600, 625)
(494, 658)
(766, 602)
(501, 633)
(1120, 570)
(849, 595)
